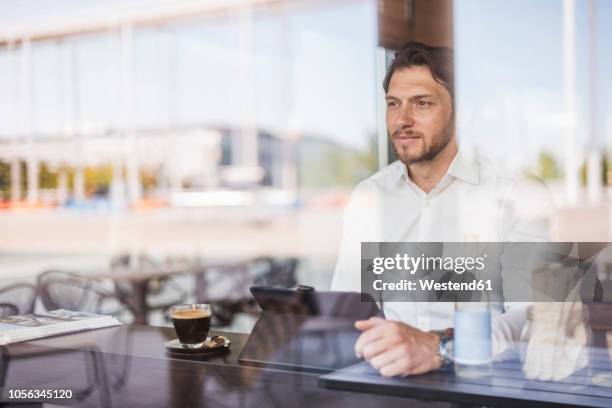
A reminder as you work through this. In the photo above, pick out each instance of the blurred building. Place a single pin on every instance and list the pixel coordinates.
(181, 154)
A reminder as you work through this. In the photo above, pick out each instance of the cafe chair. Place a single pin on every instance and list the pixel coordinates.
(279, 273)
(8, 309)
(68, 290)
(226, 287)
(18, 298)
(162, 292)
(270, 272)
(94, 374)
(59, 289)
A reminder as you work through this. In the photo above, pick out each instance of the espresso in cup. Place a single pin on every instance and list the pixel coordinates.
(191, 323)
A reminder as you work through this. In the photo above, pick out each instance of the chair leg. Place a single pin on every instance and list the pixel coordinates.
(119, 382)
(4, 362)
(91, 379)
(99, 369)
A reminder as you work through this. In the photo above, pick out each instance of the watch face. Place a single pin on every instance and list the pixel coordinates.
(446, 346)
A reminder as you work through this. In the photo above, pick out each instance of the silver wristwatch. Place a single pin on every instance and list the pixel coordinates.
(446, 346)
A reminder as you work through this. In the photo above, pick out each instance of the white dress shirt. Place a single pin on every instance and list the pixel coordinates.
(474, 201)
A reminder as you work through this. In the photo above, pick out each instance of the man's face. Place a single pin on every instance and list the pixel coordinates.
(419, 115)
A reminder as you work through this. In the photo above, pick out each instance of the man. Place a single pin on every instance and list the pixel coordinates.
(435, 192)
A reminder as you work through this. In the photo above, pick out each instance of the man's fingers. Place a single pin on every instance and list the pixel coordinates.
(399, 364)
(399, 360)
(376, 347)
(368, 324)
(395, 348)
(368, 336)
(385, 358)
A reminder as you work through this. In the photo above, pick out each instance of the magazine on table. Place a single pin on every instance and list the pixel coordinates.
(37, 325)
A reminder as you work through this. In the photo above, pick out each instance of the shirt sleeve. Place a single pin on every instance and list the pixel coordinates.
(361, 219)
(347, 274)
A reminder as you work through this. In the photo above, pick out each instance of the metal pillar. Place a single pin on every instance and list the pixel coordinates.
(76, 131)
(132, 164)
(79, 183)
(572, 155)
(15, 180)
(168, 182)
(117, 187)
(16, 161)
(27, 118)
(289, 173)
(246, 80)
(594, 167)
(62, 186)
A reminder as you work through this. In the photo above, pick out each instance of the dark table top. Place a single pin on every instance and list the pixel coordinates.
(498, 384)
(129, 366)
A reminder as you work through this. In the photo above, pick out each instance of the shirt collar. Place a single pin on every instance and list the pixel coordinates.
(463, 167)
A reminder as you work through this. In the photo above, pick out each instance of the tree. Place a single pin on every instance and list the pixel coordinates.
(548, 169)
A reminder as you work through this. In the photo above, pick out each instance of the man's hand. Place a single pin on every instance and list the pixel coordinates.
(395, 348)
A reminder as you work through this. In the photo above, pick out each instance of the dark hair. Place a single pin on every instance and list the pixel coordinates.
(439, 60)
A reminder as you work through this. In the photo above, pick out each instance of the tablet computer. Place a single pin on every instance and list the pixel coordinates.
(306, 330)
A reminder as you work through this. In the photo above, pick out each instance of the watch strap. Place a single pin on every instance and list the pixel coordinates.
(446, 346)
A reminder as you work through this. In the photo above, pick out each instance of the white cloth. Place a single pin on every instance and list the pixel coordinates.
(474, 201)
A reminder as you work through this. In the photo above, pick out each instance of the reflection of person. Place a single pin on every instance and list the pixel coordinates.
(557, 343)
(435, 192)
(556, 338)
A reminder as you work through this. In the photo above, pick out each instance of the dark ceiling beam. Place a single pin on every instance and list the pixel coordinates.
(428, 21)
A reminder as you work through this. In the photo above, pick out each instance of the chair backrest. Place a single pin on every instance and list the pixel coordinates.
(232, 281)
(281, 273)
(8, 309)
(67, 290)
(18, 298)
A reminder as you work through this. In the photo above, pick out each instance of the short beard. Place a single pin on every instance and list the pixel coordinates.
(428, 153)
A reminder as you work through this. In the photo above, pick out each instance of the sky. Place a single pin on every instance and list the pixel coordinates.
(317, 76)
(509, 72)
(307, 74)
